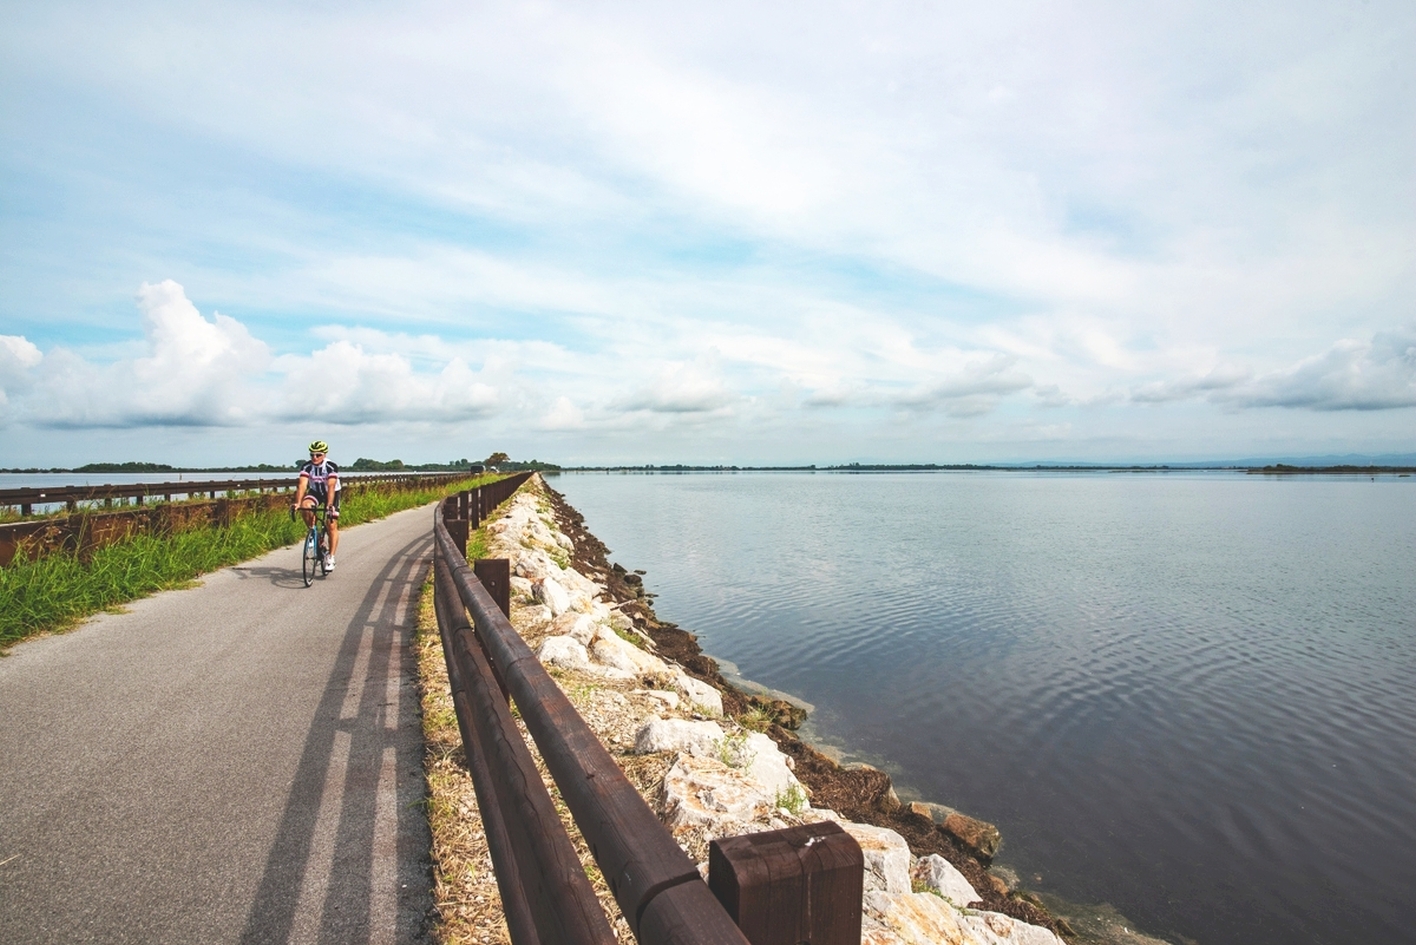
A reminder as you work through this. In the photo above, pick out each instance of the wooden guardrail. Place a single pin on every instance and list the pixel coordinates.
(785, 887)
(71, 496)
(89, 528)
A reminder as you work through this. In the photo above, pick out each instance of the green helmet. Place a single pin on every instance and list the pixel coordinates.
(319, 446)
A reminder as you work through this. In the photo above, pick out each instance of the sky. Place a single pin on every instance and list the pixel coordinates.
(738, 233)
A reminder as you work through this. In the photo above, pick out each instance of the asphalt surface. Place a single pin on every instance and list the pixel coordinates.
(236, 762)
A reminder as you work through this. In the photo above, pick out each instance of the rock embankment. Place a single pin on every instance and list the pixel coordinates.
(713, 761)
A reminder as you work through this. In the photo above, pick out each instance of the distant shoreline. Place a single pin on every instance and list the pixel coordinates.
(1276, 469)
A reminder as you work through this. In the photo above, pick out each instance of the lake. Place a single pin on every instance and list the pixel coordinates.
(1191, 695)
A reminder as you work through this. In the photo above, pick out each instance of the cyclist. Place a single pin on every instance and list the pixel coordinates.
(318, 484)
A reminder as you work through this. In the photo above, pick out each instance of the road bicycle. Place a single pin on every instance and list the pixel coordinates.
(315, 548)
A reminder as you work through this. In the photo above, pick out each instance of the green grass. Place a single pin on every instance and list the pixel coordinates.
(57, 591)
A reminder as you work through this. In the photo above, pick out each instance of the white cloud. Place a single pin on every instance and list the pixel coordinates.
(1351, 375)
(563, 415)
(193, 374)
(679, 388)
(971, 391)
(546, 213)
(342, 383)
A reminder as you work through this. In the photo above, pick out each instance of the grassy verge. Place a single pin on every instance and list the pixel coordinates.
(57, 591)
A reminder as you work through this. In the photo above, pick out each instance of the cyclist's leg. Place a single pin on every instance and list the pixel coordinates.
(332, 523)
(307, 510)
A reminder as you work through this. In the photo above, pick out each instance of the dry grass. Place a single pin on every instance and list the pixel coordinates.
(464, 885)
(465, 888)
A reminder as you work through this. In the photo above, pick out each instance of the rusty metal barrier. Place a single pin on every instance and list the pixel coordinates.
(89, 529)
(70, 496)
(545, 894)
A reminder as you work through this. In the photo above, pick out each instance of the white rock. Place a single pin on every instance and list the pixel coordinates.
(621, 621)
(695, 738)
(708, 700)
(520, 586)
(565, 652)
(549, 592)
(572, 624)
(938, 873)
(916, 919)
(887, 858)
(769, 766)
(611, 673)
(995, 928)
(564, 541)
(609, 649)
(670, 700)
(706, 792)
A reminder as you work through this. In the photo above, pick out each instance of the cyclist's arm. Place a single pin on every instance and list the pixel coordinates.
(331, 487)
(300, 485)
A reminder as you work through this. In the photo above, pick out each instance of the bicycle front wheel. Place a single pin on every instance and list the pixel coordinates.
(309, 558)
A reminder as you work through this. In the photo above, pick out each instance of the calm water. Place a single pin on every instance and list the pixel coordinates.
(1192, 696)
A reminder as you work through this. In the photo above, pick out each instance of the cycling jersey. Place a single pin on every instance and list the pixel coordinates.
(319, 475)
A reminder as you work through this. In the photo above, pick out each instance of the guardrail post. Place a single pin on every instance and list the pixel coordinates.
(793, 886)
(495, 575)
(456, 527)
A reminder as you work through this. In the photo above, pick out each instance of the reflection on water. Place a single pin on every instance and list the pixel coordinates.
(1188, 695)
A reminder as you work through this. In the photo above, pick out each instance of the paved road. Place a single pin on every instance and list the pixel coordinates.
(237, 762)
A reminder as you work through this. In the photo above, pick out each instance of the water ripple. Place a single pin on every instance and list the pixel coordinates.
(1187, 696)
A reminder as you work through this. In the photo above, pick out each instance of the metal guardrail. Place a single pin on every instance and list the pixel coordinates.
(797, 885)
(70, 496)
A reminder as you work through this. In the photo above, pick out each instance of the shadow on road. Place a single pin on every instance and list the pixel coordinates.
(381, 757)
(278, 577)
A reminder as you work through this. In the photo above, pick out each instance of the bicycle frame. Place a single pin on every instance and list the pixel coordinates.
(316, 544)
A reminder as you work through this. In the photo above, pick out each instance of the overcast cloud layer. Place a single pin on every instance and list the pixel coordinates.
(748, 234)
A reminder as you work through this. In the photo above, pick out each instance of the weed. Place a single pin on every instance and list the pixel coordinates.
(792, 800)
(733, 750)
(756, 718)
(629, 637)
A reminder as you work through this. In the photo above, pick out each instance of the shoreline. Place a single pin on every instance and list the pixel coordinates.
(868, 792)
(859, 793)
(711, 759)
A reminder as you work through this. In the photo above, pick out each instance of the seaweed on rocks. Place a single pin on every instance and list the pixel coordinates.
(857, 793)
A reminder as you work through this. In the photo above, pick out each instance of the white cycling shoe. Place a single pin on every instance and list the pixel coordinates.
(329, 562)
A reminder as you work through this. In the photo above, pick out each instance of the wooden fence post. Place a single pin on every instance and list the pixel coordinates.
(793, 886)
(495, 575)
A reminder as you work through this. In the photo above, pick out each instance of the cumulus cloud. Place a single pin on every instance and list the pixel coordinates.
(344, 383)
(1379, 374)
(195, 373)
(680, 388)
(563, 415)
(200, 372)
(1351, 375)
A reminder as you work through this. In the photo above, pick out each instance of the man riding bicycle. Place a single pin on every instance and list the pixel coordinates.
(318, 484)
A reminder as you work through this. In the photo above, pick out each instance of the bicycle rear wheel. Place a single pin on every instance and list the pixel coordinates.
(308, 557)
